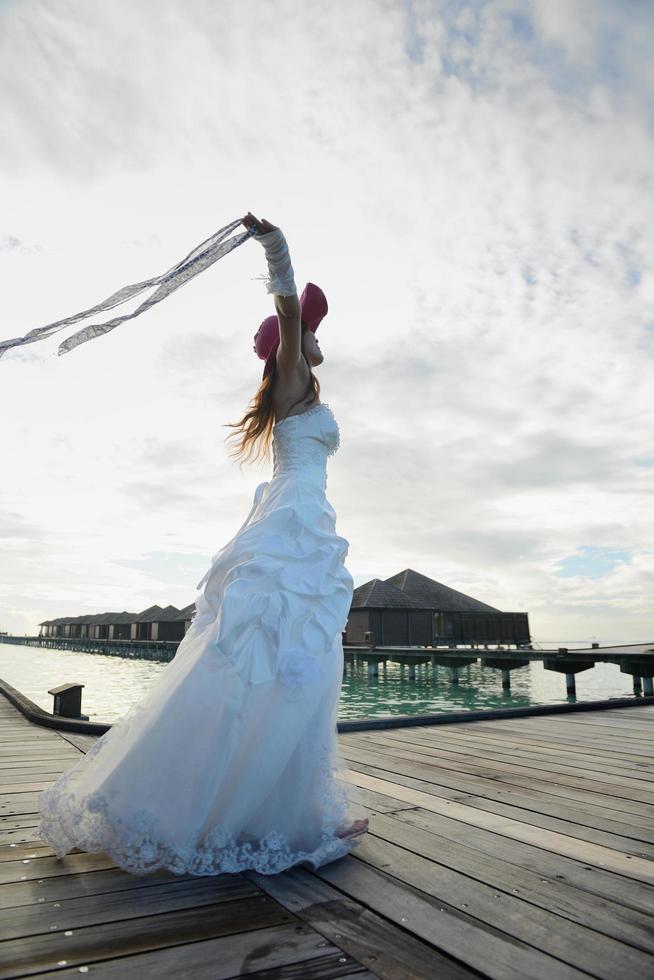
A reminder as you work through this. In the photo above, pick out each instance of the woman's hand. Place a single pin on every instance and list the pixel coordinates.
(262, 227)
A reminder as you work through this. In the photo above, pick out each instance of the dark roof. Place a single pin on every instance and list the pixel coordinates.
(96, 618)
(155, 614)
(65, 620)
(377, 594)
(152, 615)
(187, 612)
(122, 617)
(429, 594)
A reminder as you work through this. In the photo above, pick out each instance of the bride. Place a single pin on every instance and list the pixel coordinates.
(231, 760)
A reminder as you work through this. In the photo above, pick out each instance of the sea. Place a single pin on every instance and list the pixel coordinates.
(113, 684)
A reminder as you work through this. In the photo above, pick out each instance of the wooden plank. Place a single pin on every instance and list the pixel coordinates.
(494, 865)
(15, 742)
(595, 719)
(553, 818)
(611, 834)
(605, 721)
(23, 835)
(32, 762)
(565, 737)
(146, 900)
(621, 787)
(600, 736)
(470, 781)
(43, 864)
(54, 769)
(481, 748)
(15, 821)
(18, 804)
(79, 740)
(387, 949)
(84, 883)
(494, 952)
(546, 864)
(11, 782)
(23, 787)
(119, 940)
(18, 852)
(560, 746)
(557, 728)
(567, 940)
(635, 826)
(604, 857)
(590, 814)
(12, 748)
(280, 952)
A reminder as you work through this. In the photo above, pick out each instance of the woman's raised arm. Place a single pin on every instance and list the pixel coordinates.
(282, 280)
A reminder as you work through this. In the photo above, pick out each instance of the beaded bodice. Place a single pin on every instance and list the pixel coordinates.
(302, 444)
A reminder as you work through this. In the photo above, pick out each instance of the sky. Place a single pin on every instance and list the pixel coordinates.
(471, 186)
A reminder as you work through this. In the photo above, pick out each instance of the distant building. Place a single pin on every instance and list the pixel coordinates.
(409, 609)
(186, 616)
(155, 623)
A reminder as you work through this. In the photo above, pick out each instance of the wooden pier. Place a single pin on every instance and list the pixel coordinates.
(513, 848)
(162, 650)
(635, 659)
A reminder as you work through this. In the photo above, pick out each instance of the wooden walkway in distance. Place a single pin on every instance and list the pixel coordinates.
(513, 849)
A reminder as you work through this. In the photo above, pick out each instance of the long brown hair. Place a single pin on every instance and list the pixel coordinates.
(255, 428)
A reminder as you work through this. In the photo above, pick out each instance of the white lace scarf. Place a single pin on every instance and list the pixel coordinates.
(203, 256)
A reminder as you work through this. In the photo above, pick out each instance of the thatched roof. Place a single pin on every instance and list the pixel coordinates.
(434, 595)
(155, 614)
(377, 594)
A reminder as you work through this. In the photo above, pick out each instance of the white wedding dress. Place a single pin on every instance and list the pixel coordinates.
(231, 760)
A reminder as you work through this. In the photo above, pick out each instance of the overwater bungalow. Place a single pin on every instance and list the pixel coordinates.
(156, 623)
(410, 609)
(98, 626)
(407, 609)
(186, 615)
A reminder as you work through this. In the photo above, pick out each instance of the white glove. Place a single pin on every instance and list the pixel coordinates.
(280, 270)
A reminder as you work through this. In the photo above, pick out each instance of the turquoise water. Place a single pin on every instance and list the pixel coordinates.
(113, 684)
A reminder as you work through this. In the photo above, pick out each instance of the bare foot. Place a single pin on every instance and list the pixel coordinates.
(356, 828)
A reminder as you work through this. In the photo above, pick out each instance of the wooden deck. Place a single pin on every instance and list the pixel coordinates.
(514, 848)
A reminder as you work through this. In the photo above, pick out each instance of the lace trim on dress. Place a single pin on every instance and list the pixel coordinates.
(311, 411)
(338, 439)
(137, 843)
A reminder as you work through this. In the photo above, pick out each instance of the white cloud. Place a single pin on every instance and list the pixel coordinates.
(470, 184)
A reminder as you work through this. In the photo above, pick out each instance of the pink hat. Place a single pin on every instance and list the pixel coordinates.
(313, 304)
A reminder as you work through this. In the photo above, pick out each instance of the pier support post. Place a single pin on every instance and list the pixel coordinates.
(410, 660)
(454, 662)
(564, 664)
(506, 665)
(640, 670)
(372, 660)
